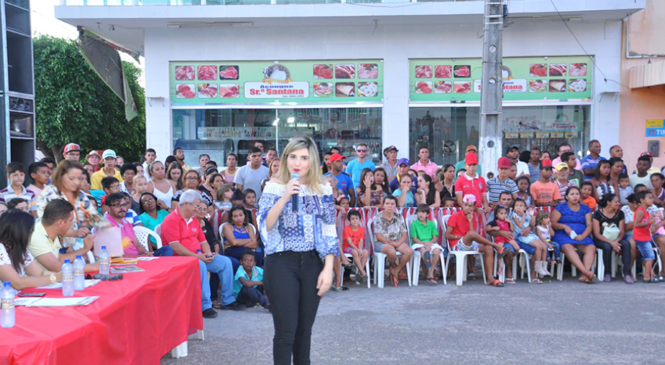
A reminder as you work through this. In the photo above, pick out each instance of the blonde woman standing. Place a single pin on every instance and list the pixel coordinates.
(300, 247)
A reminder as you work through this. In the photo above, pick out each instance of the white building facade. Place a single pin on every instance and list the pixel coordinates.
(413, 80)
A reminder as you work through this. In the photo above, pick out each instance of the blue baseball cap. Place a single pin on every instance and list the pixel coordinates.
(403, 161)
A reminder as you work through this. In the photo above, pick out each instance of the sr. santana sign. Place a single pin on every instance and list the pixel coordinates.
(228, 82)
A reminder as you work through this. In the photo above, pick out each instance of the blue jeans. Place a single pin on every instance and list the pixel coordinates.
(557, 250)
(250, 296)
(214, 278)
(164, 251)
(221, 266)
(646, 249)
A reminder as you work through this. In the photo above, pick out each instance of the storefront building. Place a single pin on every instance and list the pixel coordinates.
(375, 73)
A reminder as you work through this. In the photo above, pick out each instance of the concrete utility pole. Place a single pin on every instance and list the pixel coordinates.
(491, 90)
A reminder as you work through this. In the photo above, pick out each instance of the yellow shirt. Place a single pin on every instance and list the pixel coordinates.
(186, 167)
(41, 244)
(96, 179)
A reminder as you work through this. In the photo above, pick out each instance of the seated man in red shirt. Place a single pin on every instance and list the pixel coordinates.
(463, 237)
(182, 231)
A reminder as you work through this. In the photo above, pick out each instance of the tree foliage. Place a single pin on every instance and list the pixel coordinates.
(73, 104)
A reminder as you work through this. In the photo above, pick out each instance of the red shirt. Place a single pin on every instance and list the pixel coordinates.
(503, 226)
(468, 185)
(642, 233)
(461, 225)
(188, 233)
(355, 236)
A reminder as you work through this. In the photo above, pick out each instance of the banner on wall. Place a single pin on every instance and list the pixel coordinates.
(226, 82)
(524, 79)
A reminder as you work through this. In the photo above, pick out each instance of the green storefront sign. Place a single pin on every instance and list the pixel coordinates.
(255, 82)
(525, 78)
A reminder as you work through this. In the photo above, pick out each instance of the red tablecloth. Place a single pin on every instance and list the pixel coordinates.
(136, 320)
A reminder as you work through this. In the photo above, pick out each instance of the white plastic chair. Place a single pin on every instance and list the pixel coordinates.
(415, 258)
(350, 257)
(460, 256)
(380, 260)
(573, 269)
(158, 229)
(143, 234)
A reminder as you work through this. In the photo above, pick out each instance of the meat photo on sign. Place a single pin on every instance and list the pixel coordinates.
(443, 87)
(368, 71)
(557, 85)
(443, 71)
(184, 73)
(207, 91)
(229, 90)
(424, 87)
(368, 89)
(229, 72)
(322, 89)
(558, 69)
(323, 71)
(462, 71)
(538, 70)
(462, 87)
(538, 86)
(578, 69)
(207, 72)
(577, 85)
(185, 91)
(345, 89)
(423, 72)
(345, 71)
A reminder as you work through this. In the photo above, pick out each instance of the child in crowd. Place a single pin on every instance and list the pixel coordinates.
(449, 202)
(512, 172)
(38, 172)
(354, 244)
(250, 199)
(460, 172)
(490, 175)
(528, 241)
(502, 224)
(110, 185)
(544, 192)
(545, 232)
(342, 203)
(424, 238)
(523, 186)
(624, 189)
(16, 177)
(586, 193)
(224, 195)
(642, 233)
(406, 200)
(248, 285)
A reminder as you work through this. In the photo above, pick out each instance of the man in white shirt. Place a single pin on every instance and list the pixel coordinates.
(251, 175)
(514, 154)
(150, 156)
(642, 176)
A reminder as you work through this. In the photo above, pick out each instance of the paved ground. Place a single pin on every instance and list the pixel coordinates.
(553, 323)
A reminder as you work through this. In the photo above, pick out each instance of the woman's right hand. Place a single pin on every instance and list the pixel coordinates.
(82, 232)
(162, 205)
(567, 229)
(292, 187)
(58, 277)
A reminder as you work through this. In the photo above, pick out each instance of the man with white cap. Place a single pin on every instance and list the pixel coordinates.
(109, 170)
(390, 164)
(72, 152)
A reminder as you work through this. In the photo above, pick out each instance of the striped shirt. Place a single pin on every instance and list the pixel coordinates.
(8, 194)
(495, 187)
(589, 162)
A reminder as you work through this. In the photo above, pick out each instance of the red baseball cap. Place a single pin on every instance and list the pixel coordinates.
(504, 163)
(471, 159)
(546, 163)
(336, 157)
(646, 154)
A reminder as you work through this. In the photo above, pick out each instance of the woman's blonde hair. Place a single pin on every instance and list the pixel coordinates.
(314, 178)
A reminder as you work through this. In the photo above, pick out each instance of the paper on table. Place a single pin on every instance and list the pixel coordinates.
(62, 302)
(145, 258)
(88, 283)
(25, 301)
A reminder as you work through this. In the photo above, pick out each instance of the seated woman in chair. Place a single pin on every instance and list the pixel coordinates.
(572, 224)
(238, 235)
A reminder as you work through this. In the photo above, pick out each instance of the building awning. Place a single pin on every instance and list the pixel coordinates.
(651, 74)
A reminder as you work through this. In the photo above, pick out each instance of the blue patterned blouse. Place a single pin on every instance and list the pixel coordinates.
(312, 227)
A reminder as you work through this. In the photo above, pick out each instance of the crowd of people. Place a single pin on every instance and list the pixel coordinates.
(543, 207)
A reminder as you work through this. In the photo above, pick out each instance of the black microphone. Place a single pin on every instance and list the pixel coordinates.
(294, 197)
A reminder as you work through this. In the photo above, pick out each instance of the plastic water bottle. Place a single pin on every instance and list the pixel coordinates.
(79, 275)
(7, 315)
(104, 264)
(67, 279)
